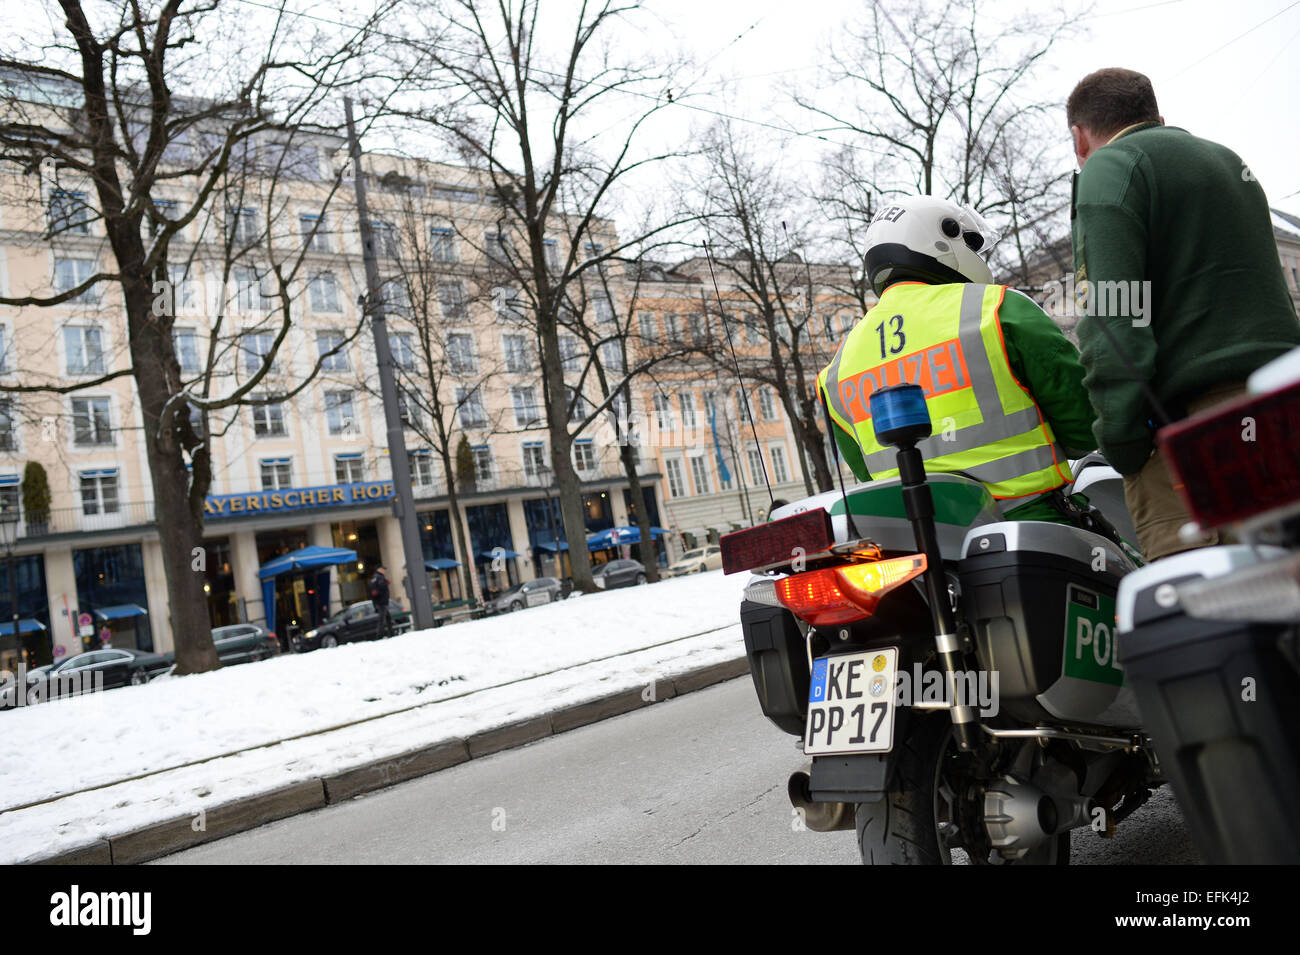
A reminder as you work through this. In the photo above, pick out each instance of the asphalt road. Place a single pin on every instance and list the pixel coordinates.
(700, 779)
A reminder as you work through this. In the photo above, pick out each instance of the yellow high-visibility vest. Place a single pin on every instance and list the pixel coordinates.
(948, 340)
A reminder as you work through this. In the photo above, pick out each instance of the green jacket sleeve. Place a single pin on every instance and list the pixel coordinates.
(847, 443)
(1046, 363)
(1117, 350)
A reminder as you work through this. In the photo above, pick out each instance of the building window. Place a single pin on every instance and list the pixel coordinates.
(611, 356)
(672, 327)
(482, 462)
(767, 402)
(242, 224)
(403, 349)
(534, 460)
(268, 420)
(327, 342)
(500, 250)
(710, 404)
(753, 334)
(257, 351)
(755, 466)
(184, 301)
(339, 412)
(349, 469)
(569, 358)
(780, 474)
(594, 249)
(576, 404)
(99, 492)
(408, 409)
(324, 292)
(84, 350)
(700, 474)
(442, 245)
(4, 350)
(517, 352)
(69, 213)
(250, 295)
(10, 508)
(473, 416)
(699, 329)
(421, 468)
(460, 353)
(277, 474)
(676, 478)
(8, 426)
(451, 296)
(604, 310)
(646, 322)
(69, 273)
(396, 295)
(385, 237)
(315, 236)
(91, 424)
(664, 413)
(551, 250)
(507, 304)
(527, 414)
(687, 400)
(584, 455)
(186, 343)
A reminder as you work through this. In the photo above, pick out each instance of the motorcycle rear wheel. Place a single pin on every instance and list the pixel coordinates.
(904, 828)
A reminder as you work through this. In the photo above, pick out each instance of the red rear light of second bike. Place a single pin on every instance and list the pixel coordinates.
(1238, 460)
(835, 595)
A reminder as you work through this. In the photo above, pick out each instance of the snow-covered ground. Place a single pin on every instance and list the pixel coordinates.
(199, 741)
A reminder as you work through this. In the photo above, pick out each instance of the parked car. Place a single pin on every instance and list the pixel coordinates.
(244, 643)
(618, 573)
(697, 561)
(351, 625)
(543, 590)
(84, 672)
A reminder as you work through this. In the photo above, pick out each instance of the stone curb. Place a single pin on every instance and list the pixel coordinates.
(249, 812)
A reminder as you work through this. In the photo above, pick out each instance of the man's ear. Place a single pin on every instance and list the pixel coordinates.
(1082, 146)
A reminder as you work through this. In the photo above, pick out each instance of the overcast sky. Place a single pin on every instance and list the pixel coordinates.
(1229, 72)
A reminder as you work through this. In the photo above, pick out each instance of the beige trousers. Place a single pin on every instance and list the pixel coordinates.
(1153, 500)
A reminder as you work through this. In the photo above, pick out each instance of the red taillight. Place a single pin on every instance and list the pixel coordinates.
(1237, 460)
(778, 542)
(850, 592)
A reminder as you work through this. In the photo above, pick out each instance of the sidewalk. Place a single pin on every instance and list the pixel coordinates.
(143, 771)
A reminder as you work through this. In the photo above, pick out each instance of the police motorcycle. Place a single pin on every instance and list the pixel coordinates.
(952, 676)
(1210, 639)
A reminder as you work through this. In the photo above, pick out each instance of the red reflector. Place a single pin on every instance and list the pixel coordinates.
(1239, 459)
(776, 542)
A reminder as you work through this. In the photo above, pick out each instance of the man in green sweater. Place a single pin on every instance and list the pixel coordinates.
(1177, 271)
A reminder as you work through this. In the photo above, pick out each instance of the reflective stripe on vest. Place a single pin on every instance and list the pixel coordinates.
(1010, 451)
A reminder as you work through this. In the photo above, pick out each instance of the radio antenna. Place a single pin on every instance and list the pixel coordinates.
(771, 498)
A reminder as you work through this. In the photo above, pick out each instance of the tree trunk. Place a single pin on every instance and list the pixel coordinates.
(469, 577)
(178, 517)
(566, 477)
(649, 550)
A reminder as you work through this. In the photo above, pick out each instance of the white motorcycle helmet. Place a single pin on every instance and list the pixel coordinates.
(927, 239)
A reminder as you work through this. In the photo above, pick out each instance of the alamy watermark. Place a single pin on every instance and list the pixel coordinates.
(1131, 299)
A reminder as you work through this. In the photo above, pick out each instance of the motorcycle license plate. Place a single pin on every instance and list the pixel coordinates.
(851, 703)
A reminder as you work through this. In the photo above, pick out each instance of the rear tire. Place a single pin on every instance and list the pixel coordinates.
(329, 640)
(903, 827)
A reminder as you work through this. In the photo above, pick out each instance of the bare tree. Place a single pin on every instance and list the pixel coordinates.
(939, 102)
(99, 103)
(555, 138)
(763, 266)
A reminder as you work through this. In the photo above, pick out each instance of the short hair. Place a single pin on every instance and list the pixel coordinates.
(1110, 100)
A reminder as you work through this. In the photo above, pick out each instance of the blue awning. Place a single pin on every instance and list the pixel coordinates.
(26, 625)
(487, 556)
(550, 546)
(120, 612)
(305, 559)
(441, 563)
(617, 536)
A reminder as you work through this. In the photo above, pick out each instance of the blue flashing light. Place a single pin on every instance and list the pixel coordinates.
(899, 408)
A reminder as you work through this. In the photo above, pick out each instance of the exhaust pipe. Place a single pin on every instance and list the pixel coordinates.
(818, 816)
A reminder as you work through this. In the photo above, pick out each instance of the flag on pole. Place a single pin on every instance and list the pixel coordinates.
(723, 474)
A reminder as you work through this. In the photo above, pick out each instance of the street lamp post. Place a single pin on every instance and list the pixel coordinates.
(544, 473)
(9, 529)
